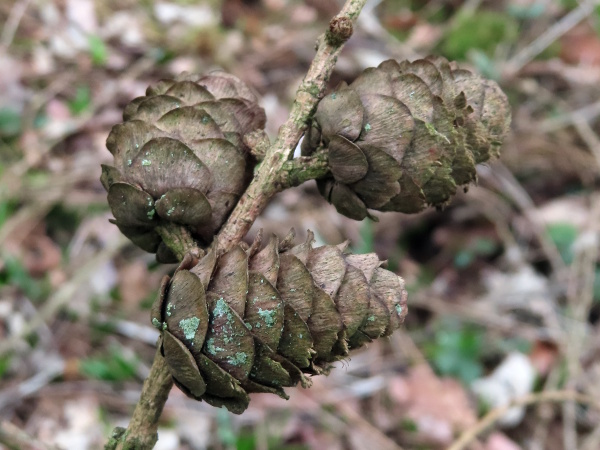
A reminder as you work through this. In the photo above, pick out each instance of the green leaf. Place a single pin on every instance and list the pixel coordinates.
(10, 122)
(114, 366)
(246, 441)
(81, 101)
(15, 274)
(4, 364)
(484, 64)
(6, 209)
(597, 285)
(526, 12)
(482, 30)
(367, 238)
(563, 235)
(225, 433)
(98, 51)
(480, 247)
(456, 350)
(464, 258)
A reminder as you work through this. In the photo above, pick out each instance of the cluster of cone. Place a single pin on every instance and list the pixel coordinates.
(404, 135)
(401, 137)
(179, 157)
(258, 320)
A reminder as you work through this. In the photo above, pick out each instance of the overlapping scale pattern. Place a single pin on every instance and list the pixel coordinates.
(179, 157)
(260, 319)
(404, 135)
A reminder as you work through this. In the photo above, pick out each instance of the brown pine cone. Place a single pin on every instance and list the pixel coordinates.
(179, 157)
(403, 135)
(259, 320)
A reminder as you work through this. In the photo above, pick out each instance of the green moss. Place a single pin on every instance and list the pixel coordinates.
(313, 90)
(436, 133)
(483, 30)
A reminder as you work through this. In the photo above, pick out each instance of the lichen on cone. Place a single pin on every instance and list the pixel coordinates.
(260, 319)
(404, 135)
(179, 157)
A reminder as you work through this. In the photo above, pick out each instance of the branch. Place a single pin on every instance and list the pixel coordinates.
(179, 240)
(276, 172)
(141, 432)
(309, 93)
(296, 171)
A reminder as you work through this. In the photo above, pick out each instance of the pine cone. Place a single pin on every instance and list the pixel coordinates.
(259, 320)
(179, 157)
(403, 135)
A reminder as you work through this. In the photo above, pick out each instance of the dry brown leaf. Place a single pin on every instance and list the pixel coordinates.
(543, 356)
(581, 46)
(439, 407)
(41, 255)
(133, 283)
(499, 441)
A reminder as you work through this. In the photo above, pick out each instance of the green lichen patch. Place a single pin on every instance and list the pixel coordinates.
(189, 327)
(157, 323)
(238, 359)
(269, 316)
(212, 348)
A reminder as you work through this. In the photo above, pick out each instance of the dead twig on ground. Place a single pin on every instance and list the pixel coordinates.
(16, 439)
(543, 41)
(490, 418)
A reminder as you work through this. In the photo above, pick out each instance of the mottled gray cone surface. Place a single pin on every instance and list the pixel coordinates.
(179, 157)
(404, 135)
(258, 320)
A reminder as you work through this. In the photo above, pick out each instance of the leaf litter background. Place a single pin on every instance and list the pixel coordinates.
(504, 283)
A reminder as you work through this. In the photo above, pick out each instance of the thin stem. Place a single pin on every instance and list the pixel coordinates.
(262, 188)
(141, 432)
(179, 240)
(296, 171)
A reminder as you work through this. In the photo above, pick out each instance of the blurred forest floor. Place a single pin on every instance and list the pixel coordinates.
(504, 283)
